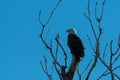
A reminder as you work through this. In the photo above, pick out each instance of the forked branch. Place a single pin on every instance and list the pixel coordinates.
(49, 47)
(97, 38)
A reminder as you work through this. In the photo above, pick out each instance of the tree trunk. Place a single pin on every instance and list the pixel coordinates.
(72, 69)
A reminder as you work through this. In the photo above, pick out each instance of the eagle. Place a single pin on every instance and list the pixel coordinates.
(75, 44)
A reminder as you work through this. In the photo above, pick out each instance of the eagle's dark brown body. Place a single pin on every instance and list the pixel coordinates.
(76, 46)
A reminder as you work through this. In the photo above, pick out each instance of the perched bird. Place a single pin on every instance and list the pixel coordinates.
(75, 44)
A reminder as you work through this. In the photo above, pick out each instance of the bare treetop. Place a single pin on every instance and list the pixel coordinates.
(67, 72)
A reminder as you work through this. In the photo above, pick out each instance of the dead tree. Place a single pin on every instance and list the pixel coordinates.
(61, 68)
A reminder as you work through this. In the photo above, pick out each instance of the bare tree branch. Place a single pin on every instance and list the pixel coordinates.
(58, 71)
(87, 67)
(119, 41)
(39, 19)
(65, 54)
(108, 67)
(45, 70)
(51, 14)
(112, 62)
(42, 31)
(112, 70)
(105, 52)
(116, 59)
(91, 24)
(118, 49)
(101, 16)
(53, 11)
(111, 58)
(103, 74)
(72, 69)
(96, 50)
(80, 75)
(56, 52)
(49, 47)
(91, 43)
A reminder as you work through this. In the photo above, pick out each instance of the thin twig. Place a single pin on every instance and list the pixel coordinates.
(52, 68)
(103, 3)
(86, 67)
(56, 52)
(45, 70)
(116, 59)
(58, 71)
(101, 16)
(91, 43)
(53, 12)
(42, 67)
(47, 34)
(39, 19)
(105, 51)
(119, 41)
(118, 49)
(103, 74)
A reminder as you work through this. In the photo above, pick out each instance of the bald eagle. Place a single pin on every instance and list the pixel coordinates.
(75, 44)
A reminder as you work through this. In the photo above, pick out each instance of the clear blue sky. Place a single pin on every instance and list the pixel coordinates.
(20, 46)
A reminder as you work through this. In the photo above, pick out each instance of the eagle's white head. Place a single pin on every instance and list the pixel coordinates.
(71, 31)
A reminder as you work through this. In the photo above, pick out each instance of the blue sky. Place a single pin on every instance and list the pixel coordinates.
(20, 46)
